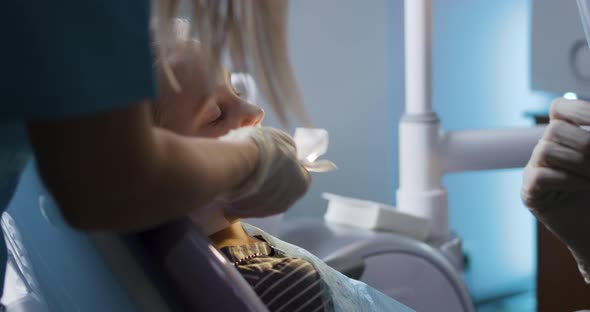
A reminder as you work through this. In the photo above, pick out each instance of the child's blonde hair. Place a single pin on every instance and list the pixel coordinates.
(252, 32)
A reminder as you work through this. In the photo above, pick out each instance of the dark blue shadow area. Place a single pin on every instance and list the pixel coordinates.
(68, 269)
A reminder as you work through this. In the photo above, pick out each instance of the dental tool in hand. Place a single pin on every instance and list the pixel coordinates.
(311, 144)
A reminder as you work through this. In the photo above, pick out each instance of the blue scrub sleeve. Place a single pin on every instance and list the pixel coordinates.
(66, 58)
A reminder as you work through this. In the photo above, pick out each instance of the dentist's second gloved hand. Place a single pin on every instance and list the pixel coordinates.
(278, 181)
(556, 184)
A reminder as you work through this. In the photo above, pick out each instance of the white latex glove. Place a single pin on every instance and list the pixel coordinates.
(556, 184)
(279, 180)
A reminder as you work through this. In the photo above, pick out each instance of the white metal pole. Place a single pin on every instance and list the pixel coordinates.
(420, 189)
(421, 192)
(418, 48)
(488, 149)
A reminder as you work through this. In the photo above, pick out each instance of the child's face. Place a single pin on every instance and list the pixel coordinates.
(191, 112)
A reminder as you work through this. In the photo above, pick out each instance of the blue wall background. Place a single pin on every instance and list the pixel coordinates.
(348, 58)
(482, 81)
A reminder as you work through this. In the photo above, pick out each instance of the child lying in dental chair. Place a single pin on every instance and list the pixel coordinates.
(286, 277)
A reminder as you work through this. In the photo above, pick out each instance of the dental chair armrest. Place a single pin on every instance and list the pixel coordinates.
(351, 266)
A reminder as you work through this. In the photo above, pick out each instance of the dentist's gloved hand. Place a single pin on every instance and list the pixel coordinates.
(278, 181)
(556, 184)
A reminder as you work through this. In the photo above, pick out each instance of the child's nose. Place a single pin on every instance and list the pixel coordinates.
(251, 115)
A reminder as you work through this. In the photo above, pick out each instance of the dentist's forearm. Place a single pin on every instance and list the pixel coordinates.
(186, 175)
(114, 171)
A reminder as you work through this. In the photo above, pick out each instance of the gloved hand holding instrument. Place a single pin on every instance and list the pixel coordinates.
(556, 184)
(279, 178)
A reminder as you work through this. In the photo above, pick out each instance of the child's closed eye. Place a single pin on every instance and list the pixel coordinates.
(213, 114)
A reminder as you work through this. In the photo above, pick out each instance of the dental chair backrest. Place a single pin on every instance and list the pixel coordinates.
(179, 265)
(55, 268)
(201, 277)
